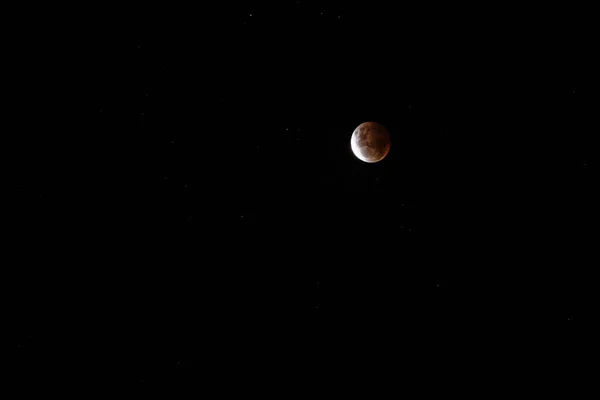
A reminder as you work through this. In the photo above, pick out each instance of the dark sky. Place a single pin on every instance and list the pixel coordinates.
(194, 219)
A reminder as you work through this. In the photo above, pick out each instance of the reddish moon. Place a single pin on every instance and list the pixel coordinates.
(370, 142)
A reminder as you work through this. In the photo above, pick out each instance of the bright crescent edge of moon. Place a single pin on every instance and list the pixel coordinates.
(356, 148)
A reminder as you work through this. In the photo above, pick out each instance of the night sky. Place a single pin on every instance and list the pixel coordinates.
(191, 217)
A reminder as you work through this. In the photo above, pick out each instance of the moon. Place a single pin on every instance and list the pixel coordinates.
(370, 142)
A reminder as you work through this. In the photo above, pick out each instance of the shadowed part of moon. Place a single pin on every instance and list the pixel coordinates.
(370, 142)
